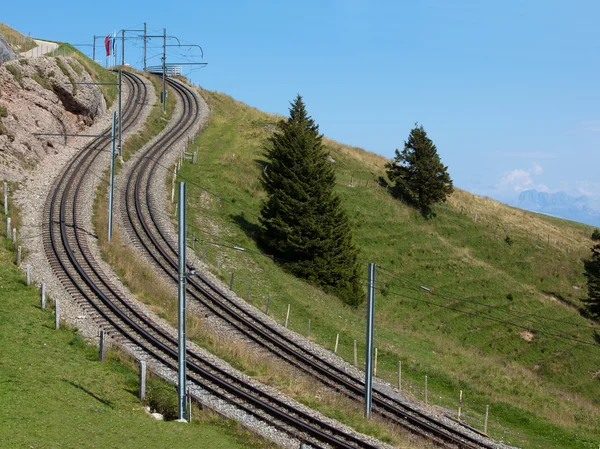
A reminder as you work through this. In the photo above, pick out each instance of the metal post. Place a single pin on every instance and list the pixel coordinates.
(164, 67)
(369, 348)
(112, 178)
(19, 256)
(122, 47)
(142, 380)
(181, 305)
(28, 271)
(268, 304)
(144, 46)
(231, 282)
(8, 227)
(308, 334)
(355, 355)
(337, 340)
(43, 295)
(426, 392)
(120, 113)
(248, 290)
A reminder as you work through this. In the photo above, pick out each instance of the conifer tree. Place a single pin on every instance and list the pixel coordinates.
(592, 272)
(420, 177)
(302, 219)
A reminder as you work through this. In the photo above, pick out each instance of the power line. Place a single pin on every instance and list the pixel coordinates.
(495, 319)
(417, 286)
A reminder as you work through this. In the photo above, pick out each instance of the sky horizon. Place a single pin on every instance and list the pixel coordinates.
(506, 91)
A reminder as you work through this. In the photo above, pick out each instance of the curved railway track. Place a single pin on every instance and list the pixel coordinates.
(65, 243)
(147, 229)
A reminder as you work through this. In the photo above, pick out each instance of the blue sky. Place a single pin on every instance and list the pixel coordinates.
(508, 90)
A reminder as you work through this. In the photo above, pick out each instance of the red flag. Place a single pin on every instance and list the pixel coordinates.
(107, 45)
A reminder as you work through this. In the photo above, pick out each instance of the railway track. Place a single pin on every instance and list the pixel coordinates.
(144, 224)
(65, 243)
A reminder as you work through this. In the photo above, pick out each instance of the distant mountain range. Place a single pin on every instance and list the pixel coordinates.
(561, 205)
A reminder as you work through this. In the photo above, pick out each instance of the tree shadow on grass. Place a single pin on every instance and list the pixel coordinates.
(252, 230)
(85, 390)
(402, 195)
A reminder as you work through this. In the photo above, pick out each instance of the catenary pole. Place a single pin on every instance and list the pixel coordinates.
(144, 46)
(369, 338)
(94, 50)
(120, 113)
(112, 177)
(164, 67)
(122, 47)
(181, 304)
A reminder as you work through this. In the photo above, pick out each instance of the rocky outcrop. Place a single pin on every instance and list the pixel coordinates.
(37, 96)
(6, 52)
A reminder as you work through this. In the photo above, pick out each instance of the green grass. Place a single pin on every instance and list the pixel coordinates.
(542, 393)
(55, 393)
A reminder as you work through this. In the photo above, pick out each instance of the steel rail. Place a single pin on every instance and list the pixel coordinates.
(261, 333)
(74, 174)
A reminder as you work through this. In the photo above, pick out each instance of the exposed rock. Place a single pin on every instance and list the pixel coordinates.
(527, 335)
(36, 96)
(6, 52)
(330, 159)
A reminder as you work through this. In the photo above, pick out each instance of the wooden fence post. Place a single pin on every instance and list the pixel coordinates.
(57, 313)
(102, 352)
(399, 375)
(287, 316)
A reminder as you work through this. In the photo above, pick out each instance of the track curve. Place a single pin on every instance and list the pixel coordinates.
(144, 224)
(65, 243)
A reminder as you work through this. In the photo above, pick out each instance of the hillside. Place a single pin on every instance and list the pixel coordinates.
(36, 96)
(55, 393)
(501, 322)
(13, 42)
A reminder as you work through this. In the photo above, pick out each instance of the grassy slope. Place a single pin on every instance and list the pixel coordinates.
(18, 41)
(542, 393)
(54, 393)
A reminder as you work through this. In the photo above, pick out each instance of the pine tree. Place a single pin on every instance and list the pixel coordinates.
(596, 235)
(592, 272)
(420, 177)
(303, 219)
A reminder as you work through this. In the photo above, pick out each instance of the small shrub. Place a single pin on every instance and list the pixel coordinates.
(3, 111)
(510, 297)
(162, 398)
(596, 235)
(76, 67)
(508, 240)
(41, 81)
(16, 73)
